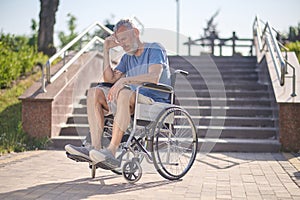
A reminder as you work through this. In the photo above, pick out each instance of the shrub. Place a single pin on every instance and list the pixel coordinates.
(294, 46)
(17, 58)
(18, 141)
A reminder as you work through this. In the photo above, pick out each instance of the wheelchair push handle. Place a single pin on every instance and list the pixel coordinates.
(179, 71)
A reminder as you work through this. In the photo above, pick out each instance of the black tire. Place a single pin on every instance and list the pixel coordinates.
(174, 143)
(132, 171)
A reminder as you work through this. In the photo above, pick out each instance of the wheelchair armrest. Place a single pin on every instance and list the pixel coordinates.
(159, 86)
(105, 84)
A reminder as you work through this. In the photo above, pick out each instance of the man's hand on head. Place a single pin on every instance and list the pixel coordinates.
(111, 42)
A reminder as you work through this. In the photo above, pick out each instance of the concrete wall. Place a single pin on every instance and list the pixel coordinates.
(43, 114)
(289, 123)
(36, 118)
(288, 106)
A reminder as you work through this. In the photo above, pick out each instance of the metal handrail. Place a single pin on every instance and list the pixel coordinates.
(267, 37)
(63, 51)
(68, 46)
(76, 56)
(215, 41)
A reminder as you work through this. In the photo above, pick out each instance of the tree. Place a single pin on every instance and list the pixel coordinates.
(46, 27)
(33, 39)
(294, 33)
(65, 39)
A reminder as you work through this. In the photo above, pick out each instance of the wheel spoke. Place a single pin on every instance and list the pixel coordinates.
(175, 144)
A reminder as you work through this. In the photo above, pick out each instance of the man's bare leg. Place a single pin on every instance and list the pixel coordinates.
(125, 107)
(96, 103)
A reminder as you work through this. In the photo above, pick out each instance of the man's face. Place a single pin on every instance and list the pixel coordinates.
(127, 39)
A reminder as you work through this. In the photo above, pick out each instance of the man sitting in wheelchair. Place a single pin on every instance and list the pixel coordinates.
(143, 62)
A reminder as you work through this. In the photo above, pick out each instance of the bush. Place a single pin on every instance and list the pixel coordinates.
(12, 137)
(17, 58)
(294, 46)
(18, 141)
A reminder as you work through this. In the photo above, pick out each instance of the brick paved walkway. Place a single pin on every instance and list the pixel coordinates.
(50, 175)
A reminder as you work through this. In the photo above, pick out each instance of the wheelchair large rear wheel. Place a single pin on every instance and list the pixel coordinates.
(174, 143)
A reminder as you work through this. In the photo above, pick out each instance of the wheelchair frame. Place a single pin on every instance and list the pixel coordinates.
(159, 141)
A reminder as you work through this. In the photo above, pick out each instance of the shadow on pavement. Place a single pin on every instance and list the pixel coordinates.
(81, 188)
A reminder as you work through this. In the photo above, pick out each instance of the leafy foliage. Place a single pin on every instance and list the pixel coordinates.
(64, 38)
(294, 33)
(12, 137)
(18, 141)
(17, 58)
(294, 46)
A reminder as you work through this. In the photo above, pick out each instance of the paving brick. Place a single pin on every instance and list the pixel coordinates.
(50, 175)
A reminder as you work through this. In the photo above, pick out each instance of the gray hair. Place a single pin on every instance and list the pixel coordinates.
(124, 22)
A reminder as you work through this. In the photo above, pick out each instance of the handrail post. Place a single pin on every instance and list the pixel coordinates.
(48, 75)
(43, 89)
(64, 59)
(220, 49)
(189, 45)
(233, 42)
(294, 82)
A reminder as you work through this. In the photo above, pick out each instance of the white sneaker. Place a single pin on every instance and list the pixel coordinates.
(79, 151)
(104, 157)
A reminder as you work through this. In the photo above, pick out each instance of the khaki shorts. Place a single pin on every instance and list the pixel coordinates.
(113, 106)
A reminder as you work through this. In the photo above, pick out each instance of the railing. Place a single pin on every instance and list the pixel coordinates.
(63, 51)
(266, 36)
(213, 41)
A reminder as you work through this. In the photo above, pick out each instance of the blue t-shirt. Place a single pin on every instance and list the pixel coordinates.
(133, 65)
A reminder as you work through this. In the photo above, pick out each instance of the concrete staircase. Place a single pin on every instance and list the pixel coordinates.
(231, 110)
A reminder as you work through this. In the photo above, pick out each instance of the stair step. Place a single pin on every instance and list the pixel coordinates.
(234, 121)
(202, 120)
(238, 145)
(194, 75)
(205, 145)
(210, 131)
(59, 142)
(75, 130)
(230, 109)
(246, 86)
(214, 93)
(207, 101)
(207, 110)
(236, 132)
(239, 95)
(77, 119)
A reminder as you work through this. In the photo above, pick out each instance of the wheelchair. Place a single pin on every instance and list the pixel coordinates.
(163, 134)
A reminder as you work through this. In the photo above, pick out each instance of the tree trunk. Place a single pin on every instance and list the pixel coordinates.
(46, 27)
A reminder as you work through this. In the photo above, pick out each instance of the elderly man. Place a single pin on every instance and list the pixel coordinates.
(142, 62)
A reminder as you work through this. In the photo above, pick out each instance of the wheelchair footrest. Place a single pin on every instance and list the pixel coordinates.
(105, 166)
(77, 158)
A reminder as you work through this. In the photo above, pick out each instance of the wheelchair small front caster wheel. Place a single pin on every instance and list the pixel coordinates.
(132, 171)
(93, 170)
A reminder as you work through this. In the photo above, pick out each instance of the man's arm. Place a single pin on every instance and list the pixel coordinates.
(152, 76)
(109, 75)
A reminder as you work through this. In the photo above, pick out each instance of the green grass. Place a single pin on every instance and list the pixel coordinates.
(12, 137)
